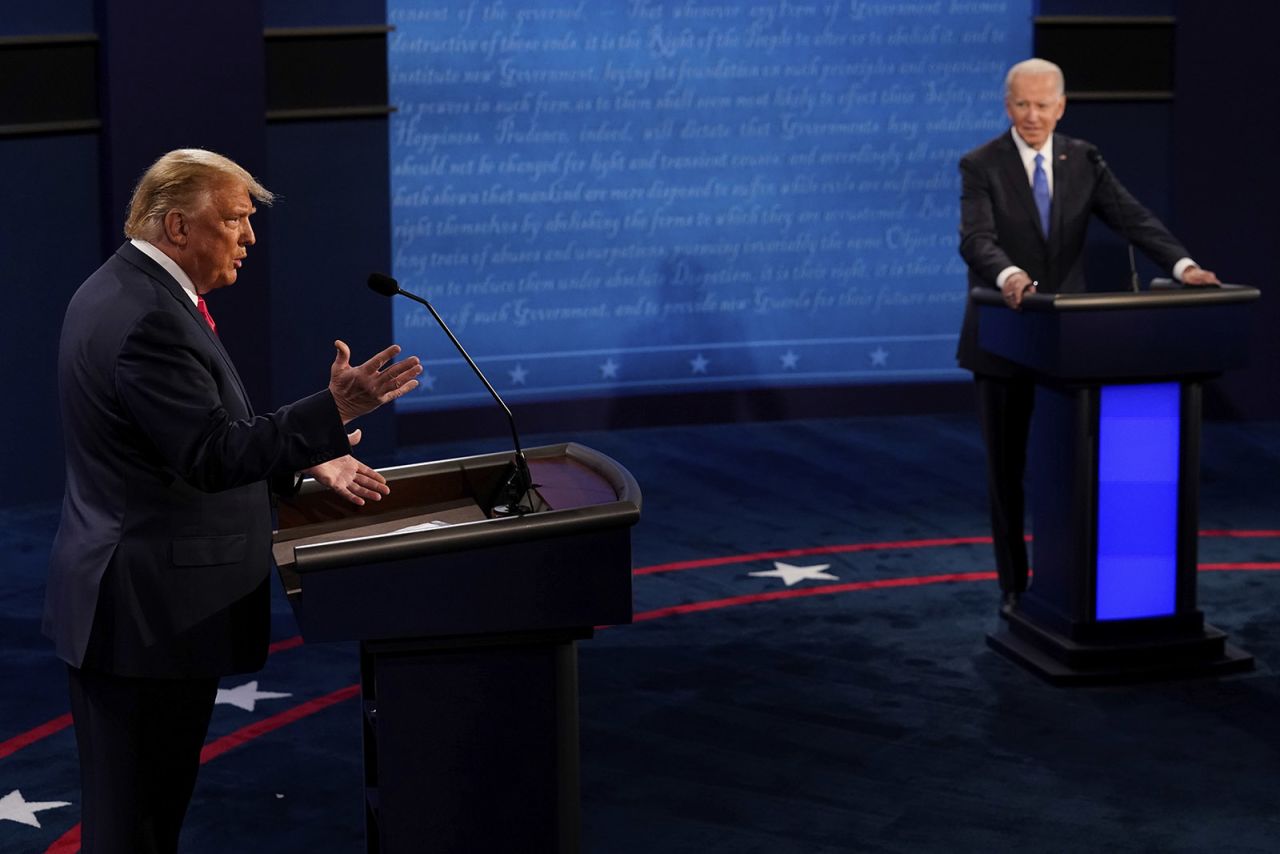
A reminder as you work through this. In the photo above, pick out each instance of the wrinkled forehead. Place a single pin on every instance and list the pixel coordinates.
(1038, 85)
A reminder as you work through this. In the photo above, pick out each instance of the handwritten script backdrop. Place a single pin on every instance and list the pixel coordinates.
(616, 197)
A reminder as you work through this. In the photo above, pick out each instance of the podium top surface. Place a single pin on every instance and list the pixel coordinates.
(1168, 297)
(1161, 334)
(446, 506)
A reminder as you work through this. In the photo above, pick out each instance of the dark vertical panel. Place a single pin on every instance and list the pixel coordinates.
(1227, 186)
(1131, 137)
(48, 245)
(331, 228)
(324, 13)
(19, 18)
(178, 75)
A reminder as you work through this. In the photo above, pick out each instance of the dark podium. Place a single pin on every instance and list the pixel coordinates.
(467, 623)
(1113, 477)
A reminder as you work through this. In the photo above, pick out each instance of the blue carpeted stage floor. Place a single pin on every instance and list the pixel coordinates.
(857, 709)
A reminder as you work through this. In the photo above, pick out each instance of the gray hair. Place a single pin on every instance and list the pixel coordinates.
(1035, 66)
(180, 179)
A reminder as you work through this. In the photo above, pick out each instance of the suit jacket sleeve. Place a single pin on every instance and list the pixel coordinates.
(979, 234)
(1118, 208)
(170, 394)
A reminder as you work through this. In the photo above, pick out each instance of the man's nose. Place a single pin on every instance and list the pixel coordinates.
(246, 235)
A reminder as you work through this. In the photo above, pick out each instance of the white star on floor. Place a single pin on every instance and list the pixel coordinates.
(793, 574)
(699, 364)
(14, 807)
(789, 360)
(245, 696)
(518, 373)
(609, 370)
(879, 357)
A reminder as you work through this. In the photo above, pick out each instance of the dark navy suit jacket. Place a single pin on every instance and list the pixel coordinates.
(999, 227)
(161, 562)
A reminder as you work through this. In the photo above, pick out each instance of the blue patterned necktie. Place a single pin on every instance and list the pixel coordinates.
(1040, 189)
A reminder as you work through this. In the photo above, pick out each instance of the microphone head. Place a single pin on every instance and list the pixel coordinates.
(1095, 156)
(383, 284)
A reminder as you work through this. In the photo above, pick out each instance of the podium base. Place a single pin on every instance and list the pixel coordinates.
(1062, 661)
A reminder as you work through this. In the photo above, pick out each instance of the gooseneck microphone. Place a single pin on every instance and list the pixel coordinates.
(1095, 157)
(518, 495)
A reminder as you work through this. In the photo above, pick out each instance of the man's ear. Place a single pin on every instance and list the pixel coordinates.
(175, 227)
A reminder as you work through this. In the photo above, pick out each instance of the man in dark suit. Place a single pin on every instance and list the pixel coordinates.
(159, 573)
(1025, 204)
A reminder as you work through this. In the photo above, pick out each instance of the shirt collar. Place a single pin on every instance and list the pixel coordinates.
(170, 266)
(1028, 154)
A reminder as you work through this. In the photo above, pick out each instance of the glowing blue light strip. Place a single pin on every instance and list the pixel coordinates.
(1139, 434)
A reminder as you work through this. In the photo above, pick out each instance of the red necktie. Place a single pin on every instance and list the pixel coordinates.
(208, 318)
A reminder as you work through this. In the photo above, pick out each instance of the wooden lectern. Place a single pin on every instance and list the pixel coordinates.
(1113, 477)
(467, 623)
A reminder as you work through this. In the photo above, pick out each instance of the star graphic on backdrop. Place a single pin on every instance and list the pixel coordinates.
(245, 696)
(699, 364)
(879, 357)
(609, 370)
(518, 373)
(14, 807)
(427, 381)
(789, 360)
(793, 574)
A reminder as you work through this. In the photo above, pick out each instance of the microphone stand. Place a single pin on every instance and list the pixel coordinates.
(1095, 157)
(518, 489)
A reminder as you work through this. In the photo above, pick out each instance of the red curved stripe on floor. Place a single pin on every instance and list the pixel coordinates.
(33, 735)
(67, 843)
(814, 550)
(798, 593)
(1241, 534)
(282, 645)
(232, 740)
(57, 724)
(846, 548)
(1257, 566)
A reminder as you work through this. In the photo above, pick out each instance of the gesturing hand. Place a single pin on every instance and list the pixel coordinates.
(350, 478)
(361, 389)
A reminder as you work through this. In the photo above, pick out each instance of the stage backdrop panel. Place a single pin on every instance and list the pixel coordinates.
(624, 197)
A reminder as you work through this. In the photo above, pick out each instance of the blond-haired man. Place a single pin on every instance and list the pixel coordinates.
(159, 573)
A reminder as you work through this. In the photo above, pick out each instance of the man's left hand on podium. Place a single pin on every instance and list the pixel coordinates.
(350, 478)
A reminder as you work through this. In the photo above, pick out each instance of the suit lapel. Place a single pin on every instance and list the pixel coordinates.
(161, 277)
(1061, 184)
(1015, 176)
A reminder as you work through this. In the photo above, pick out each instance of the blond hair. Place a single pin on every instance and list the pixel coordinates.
(1034, 66)
(182, 179)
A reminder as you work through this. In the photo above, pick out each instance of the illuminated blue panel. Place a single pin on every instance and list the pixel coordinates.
(1138, 439)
